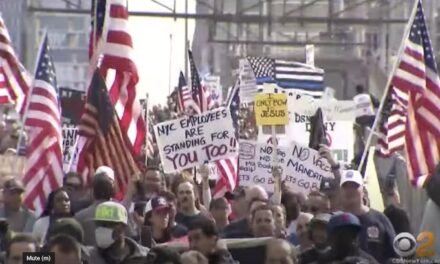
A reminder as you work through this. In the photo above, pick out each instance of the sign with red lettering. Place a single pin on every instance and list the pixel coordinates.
(195, 140)
(304, 168)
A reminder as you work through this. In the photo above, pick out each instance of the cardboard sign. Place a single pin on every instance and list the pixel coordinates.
(255, 163)
(304, 168)
(248, 83)
(271, 109)
(12, 165)
(187, 142)
(70, 134)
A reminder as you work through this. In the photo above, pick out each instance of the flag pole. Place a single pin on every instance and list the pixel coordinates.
(28, 98)
(94, 63)
(146, 128)
(95, 25)
(170, 63)
(186, 40)
(387, 87)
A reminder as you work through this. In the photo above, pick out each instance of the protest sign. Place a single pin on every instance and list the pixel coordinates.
(12, 165)
(190, 141)
(70, 134)
(72, 103)
(248, 83)
(304, 168)
(271, 109)
(338, 121)
(212, 83)
(256, 162)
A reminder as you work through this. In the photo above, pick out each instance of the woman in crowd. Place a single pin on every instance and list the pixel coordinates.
(57, 206)
(156, 229)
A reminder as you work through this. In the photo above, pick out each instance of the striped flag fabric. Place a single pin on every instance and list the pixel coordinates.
(229, 178)
(184, 95)
(227, 167)
(120, 71)
(289, 75)
(15, 82)
(415, 95)
(101, 139)
(149, 141)
(199, 93)
(5, 97)
(44, 156)
(392, 125)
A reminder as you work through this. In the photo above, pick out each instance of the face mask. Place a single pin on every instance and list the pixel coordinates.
(104, 237)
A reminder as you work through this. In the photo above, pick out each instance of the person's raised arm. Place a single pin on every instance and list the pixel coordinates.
(326, 153)
(276, 197)
(206, 191)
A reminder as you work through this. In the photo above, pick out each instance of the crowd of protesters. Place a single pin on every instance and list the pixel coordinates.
(174, 219)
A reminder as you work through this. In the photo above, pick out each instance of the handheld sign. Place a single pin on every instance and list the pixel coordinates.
(271, 109)
(304, 168)
(69, 136)
(256, 161)
(191, 141)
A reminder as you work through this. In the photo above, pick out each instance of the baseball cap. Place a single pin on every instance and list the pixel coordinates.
(111, 212)
(13, 185)
(107, 171)
(156, 204)
(321, 218)
(343, 219)
(352, 176)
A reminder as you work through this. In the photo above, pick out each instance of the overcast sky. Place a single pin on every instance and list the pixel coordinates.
(151, 37)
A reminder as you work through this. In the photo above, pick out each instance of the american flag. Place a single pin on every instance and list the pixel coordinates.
(121, 74)
(415, 95)
(184, 95)
(149, 143)
(229, 179)
(44, 169)
(233, 102)
(101, 137)
(227, 167)
(289, 75)
(200, 94)
(14, 80)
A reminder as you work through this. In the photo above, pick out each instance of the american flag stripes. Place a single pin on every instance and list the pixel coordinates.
(184, 95)
(15, 82)
(415, 99)
(288, 75)
(149, 140)
(229, 177)
(199, 93)
(101, 140)
(227, 167)
(393, 120)
(44, 170)
(121, 72)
